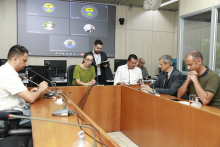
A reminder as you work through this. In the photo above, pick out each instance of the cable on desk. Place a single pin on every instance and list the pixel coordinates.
(85, 98)
(78, 117)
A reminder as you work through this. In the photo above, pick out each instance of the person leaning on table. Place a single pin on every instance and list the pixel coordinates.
(128, 73)
(201, 81)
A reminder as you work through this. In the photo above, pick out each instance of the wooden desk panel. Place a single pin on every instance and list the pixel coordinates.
(146, 119)
(153, 121)
(49, 134)
(103, 105)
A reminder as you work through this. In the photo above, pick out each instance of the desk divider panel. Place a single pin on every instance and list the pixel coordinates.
(49, 134)
(153, 121)
(103, 105)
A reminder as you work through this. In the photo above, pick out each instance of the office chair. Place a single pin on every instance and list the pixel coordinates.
(70, 71)
(108, 73)
(19, 137)
(11, 124)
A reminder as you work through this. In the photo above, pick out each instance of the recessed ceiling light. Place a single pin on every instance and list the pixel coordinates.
(169, 2)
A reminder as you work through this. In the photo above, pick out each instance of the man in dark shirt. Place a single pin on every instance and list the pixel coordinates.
(98, 57)
(144, 71)
(201, 81)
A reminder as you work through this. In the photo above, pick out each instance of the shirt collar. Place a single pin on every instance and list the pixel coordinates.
(126, 65)
(205, 73)
(169, 73)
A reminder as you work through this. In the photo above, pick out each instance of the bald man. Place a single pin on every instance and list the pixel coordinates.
(144, 71)
(201, 81)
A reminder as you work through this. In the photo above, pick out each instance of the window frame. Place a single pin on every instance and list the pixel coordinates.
(213, 36)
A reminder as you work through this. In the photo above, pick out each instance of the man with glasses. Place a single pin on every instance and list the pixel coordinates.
(170, 78)
(98, 57)
(141, 63)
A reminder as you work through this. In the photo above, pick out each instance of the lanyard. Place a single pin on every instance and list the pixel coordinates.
(96, 60)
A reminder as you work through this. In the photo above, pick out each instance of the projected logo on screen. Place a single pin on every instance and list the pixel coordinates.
(89, 28)
(89, 11)
(69, 43)
(48, 7)
(48, 25)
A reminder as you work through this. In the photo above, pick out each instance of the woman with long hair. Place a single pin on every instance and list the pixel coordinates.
(84, 74)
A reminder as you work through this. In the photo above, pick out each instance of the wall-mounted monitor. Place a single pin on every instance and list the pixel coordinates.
(57, 68)
(61, 28)
(2, 61)
(119, 62)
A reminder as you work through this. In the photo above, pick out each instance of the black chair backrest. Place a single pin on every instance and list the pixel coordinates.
(108, 73)
(70, 71)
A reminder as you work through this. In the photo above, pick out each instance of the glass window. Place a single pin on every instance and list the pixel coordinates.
(217, 61)
(196, 36)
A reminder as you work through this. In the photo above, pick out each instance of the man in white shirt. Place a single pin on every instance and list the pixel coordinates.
(13, 93)
(129, 73)
(98, 57)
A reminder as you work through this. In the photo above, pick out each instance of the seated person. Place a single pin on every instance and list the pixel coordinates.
(201, 81)
(13, 93)
(169, 83)
(84, 74)
(144, 71)
(128, 73)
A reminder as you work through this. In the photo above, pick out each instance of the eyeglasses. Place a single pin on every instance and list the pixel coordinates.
(89, 60)
(141, 62)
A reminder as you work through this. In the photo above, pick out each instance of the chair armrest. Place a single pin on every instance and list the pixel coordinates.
(20, 132)
(16, 112)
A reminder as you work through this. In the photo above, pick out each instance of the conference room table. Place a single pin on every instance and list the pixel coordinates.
(148, 120)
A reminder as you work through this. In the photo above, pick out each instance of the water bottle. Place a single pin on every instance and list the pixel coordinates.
(81, 142)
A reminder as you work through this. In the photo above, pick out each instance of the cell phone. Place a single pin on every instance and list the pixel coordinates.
(174, 99)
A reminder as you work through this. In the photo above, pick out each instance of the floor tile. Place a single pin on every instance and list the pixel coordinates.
(128, 142)
(119, 134)
(112, 135)
(119, 142)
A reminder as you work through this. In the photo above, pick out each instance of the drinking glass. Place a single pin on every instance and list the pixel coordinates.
(192, 98)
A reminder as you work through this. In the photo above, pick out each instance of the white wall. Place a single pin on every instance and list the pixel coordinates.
(148, 34)
(189, 6)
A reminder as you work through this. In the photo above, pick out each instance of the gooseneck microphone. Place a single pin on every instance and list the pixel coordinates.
(129, 76)
(52, 93)
(62, 112)
(153, 92)
(6, 116)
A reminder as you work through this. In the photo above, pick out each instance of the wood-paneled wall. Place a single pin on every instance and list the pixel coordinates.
(149, 34)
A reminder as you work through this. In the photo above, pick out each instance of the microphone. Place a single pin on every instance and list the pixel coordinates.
(61, 112)
(6, 116)
(95, 75)
(129, 76)
(48, 93)
(153, 92)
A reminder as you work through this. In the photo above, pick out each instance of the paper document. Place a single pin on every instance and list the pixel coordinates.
(104, 62)
(184, 102)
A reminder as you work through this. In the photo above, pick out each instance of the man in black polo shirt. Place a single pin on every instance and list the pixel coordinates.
(201, 81)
